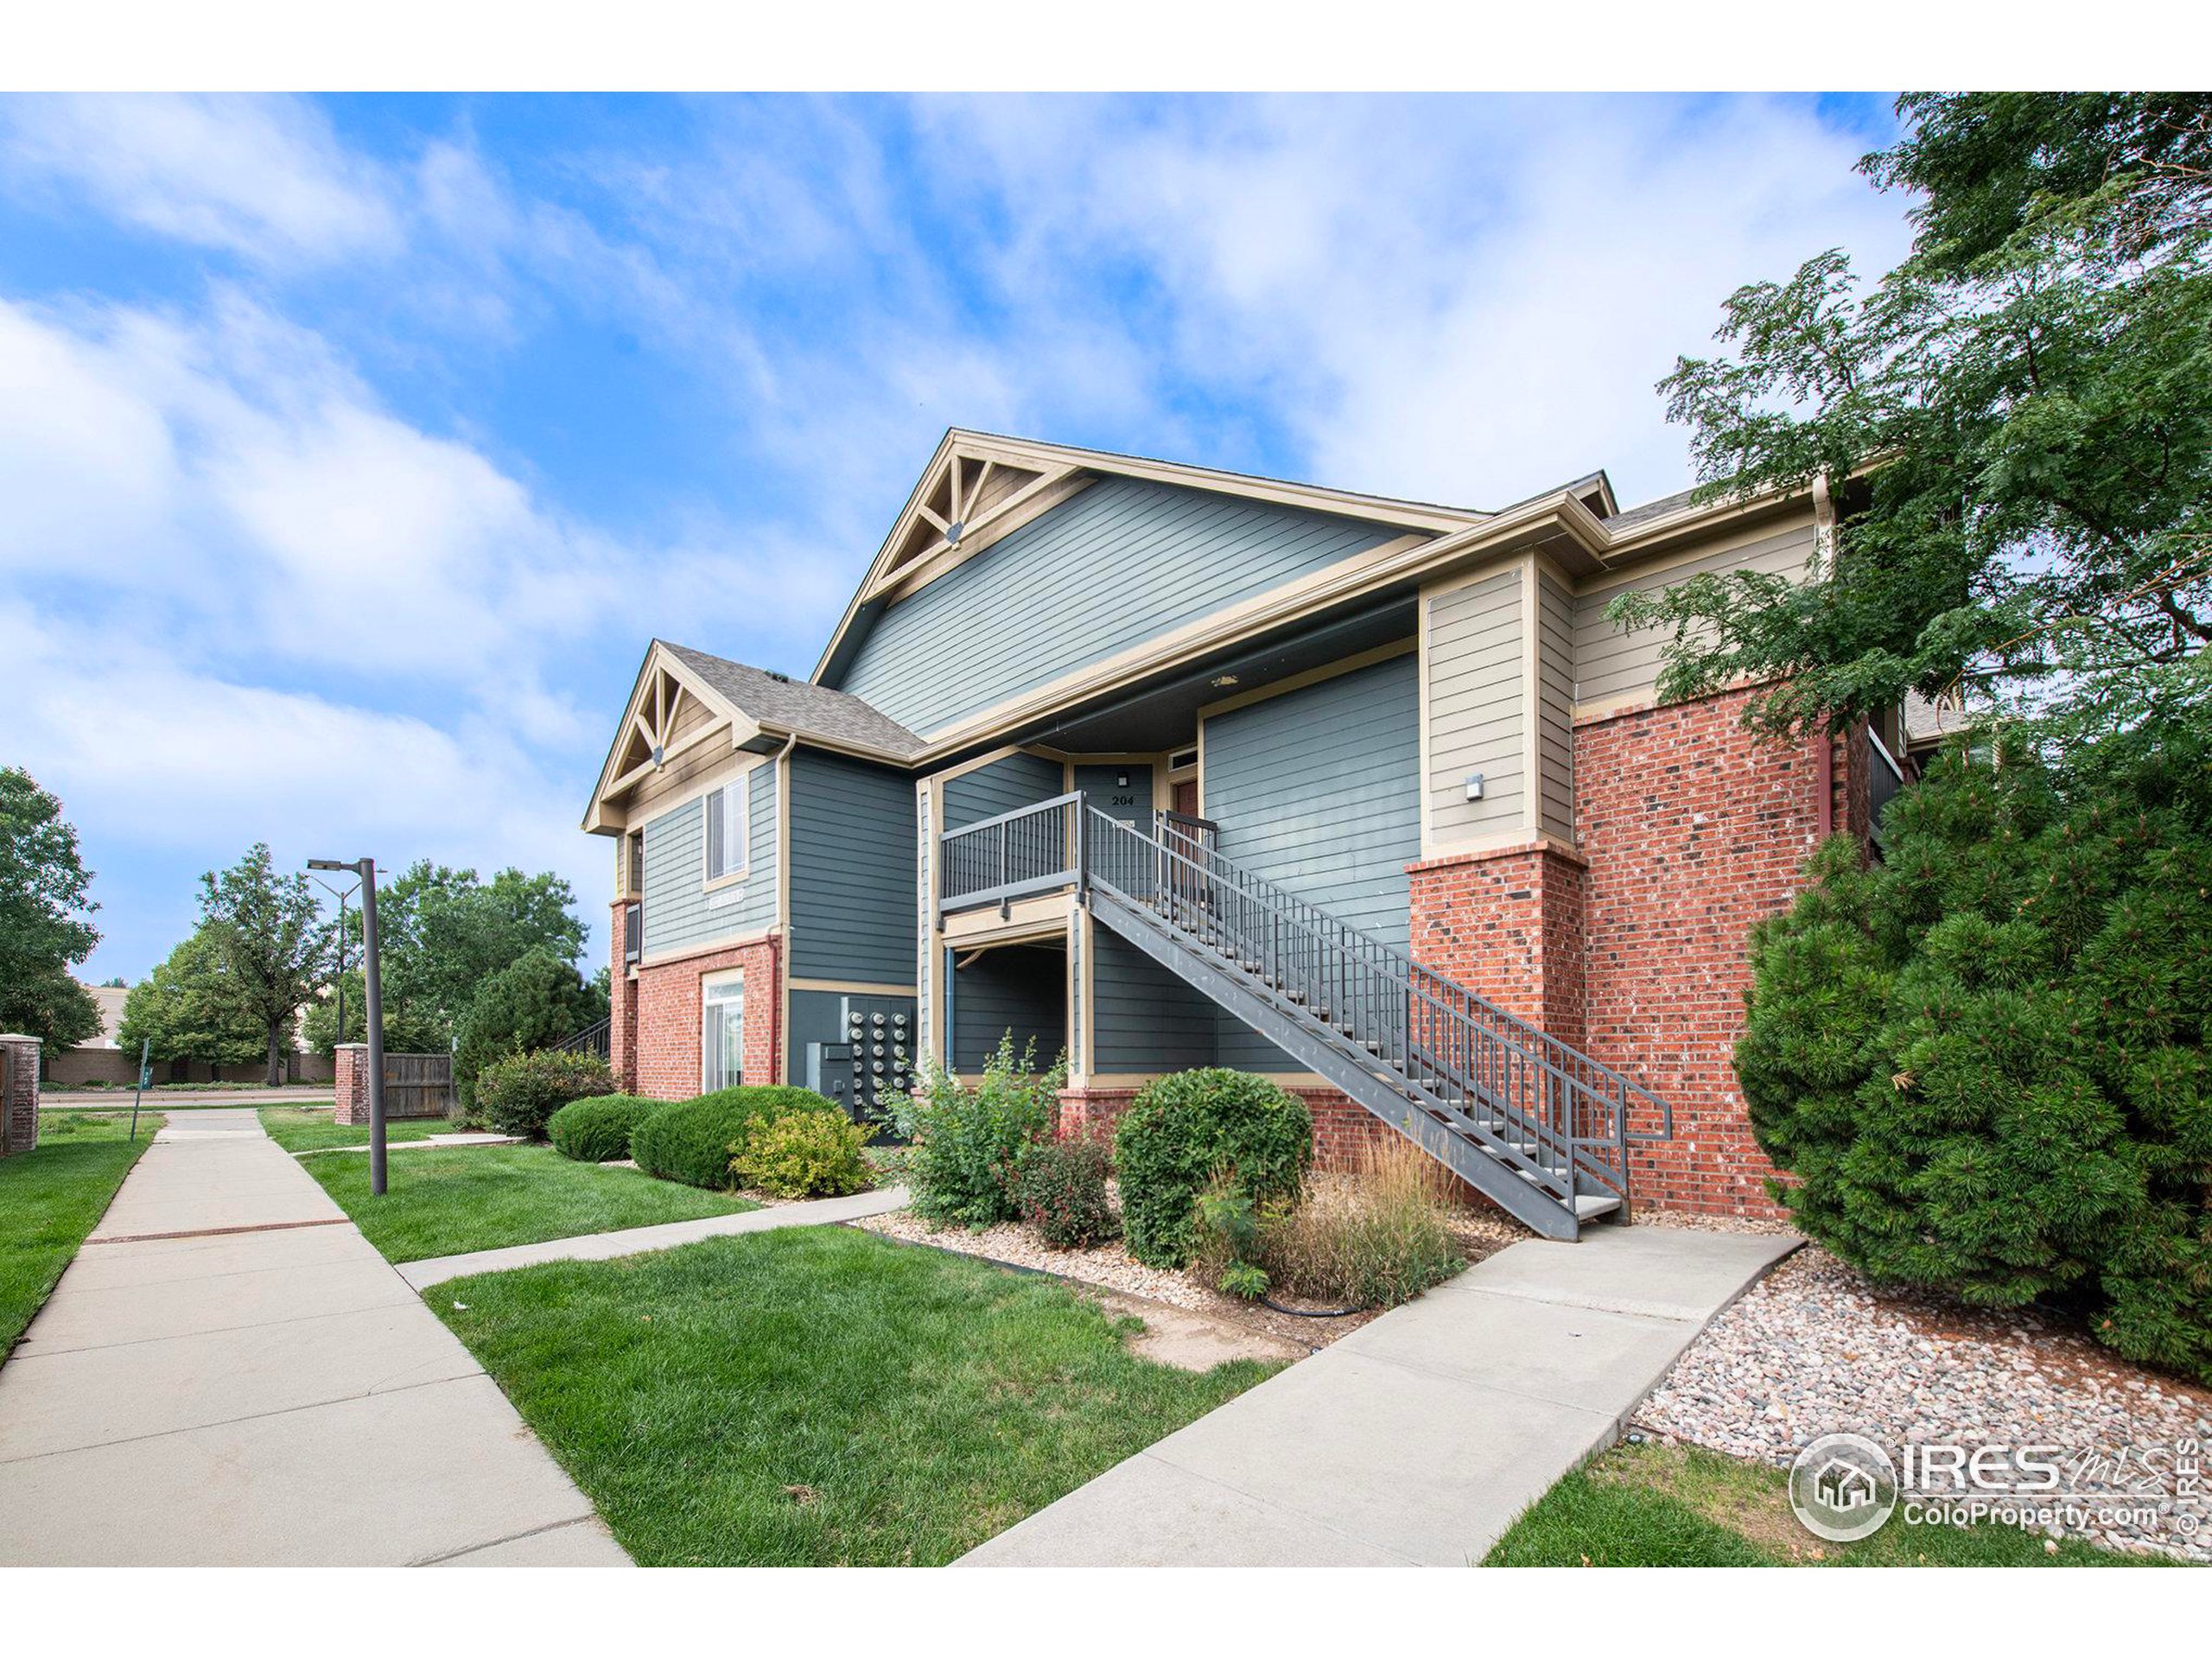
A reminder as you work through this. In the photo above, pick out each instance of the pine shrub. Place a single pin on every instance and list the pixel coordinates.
(1982, 1059)
(518, 1094)
(695, 1142)
(1182, 1131)
(596, 1129)
(804, 1155)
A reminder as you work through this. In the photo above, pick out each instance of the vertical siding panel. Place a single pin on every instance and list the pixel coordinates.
(1556, 709)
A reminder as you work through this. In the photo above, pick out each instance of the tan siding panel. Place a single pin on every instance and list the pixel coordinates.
(1475, 716)
(1555, 707)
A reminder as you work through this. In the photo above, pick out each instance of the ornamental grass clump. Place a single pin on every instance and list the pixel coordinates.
(968, 1137)
(1375, 1235)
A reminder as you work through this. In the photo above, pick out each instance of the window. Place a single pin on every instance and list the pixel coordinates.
(728, 819)
(721, 1033)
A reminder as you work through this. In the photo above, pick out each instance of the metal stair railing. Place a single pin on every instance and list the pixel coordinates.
(1567, 1113)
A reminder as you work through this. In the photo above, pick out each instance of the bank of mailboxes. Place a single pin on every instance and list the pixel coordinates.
(876, 1055)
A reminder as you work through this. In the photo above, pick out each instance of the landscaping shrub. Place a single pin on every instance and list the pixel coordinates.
(1059, 1188)
(1184, 1130)
(518, 1094)
(1374, 1237)
(596, 1129)
(804, 1155)
(1983, 1059)
(967, 1136)
(694, 1142)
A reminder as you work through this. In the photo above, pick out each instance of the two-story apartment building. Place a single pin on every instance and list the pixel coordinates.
(1170, 767)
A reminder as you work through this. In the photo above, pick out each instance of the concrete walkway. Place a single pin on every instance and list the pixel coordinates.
(636, 1240)
(229, 1374)
(1418, 1438)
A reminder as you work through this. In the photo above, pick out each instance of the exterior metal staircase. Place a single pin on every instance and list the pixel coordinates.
(1536, 1125)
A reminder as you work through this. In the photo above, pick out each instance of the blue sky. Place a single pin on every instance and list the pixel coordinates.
(353, 448)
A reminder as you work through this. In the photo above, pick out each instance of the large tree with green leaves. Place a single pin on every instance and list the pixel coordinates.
(44, 907)
(269, 944)
(2015, 424)
(183, 1010)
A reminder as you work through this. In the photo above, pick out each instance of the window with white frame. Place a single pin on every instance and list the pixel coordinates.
(721, 1032)
(729, 822)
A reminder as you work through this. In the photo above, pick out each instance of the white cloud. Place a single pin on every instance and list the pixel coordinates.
(262, 177)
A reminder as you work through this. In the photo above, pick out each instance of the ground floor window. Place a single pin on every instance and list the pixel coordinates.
(721, 1032)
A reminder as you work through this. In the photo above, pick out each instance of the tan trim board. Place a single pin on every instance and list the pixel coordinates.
(709, 948)
(849, 987)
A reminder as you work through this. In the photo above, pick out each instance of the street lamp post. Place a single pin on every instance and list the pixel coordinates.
(366, 869)
(341, 894)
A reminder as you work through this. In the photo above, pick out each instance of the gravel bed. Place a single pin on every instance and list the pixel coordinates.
(1814, 1348)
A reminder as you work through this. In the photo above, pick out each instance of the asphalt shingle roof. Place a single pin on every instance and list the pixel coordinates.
(800, 706)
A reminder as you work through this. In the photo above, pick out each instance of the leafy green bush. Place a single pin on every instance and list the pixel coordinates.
(1983, 1059)
(694, 1142)
(596, 1129)
(1059, 1188)
(1182, 1131)
(534, 1002)
(967, 1136)
(1375, 1235)
(516, 1095)
(804, 1155)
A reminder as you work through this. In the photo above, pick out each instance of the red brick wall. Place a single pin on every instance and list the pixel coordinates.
(1507, 926)
(18, 1093)
(1694, 828)
(666, 1020)
(622, 1007)
(352, 1082)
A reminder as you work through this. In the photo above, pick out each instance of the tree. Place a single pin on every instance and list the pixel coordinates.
(183, 1009)
(531, 1003)
(2014, 423)
(407, 1030)
(443, 933)
(44, 931)
(269, 943)
(1983, 1057)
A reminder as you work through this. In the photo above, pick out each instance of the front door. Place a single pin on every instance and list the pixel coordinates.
(1186, 797)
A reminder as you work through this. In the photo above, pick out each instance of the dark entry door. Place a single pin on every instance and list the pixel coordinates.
(1186, 797)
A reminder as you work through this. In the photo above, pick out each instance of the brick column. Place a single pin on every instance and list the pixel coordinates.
(18, 1093)
(621, 1007)
(350, 1063)
(1507, 924)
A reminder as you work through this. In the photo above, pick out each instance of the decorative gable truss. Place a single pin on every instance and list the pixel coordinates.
(974, 493)
(672, 714)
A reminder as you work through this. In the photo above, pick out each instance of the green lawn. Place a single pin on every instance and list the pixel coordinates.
(446, 1201)
(1680, 1506)
(820, 1396)
(51, 1197)
(303, 1128)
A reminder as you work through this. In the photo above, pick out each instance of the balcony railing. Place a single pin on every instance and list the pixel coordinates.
(995, 861)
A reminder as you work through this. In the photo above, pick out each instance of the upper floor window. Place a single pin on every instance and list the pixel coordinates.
(729, 819)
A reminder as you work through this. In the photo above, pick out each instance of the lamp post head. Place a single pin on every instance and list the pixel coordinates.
(332, 864)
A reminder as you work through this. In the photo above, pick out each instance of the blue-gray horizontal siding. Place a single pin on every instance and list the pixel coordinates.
(1119, 563)
(680, 914)
(1020, 988)
(1318, 790)
(1144, 1019)
(853, 871)
(1010, 781)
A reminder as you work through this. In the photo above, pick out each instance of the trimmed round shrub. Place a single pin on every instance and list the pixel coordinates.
(596, 1129)
(1059, 1187)
(518, 1094)
(1983, 1057)
(805, 1155)
(694, 1142)
(1184, 1131)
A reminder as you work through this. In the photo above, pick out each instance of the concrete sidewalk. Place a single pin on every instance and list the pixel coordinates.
(229, 1374)
(1416, 1440)
(637, 1241)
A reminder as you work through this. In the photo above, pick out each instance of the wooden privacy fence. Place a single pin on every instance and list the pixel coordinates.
(415, 1086)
